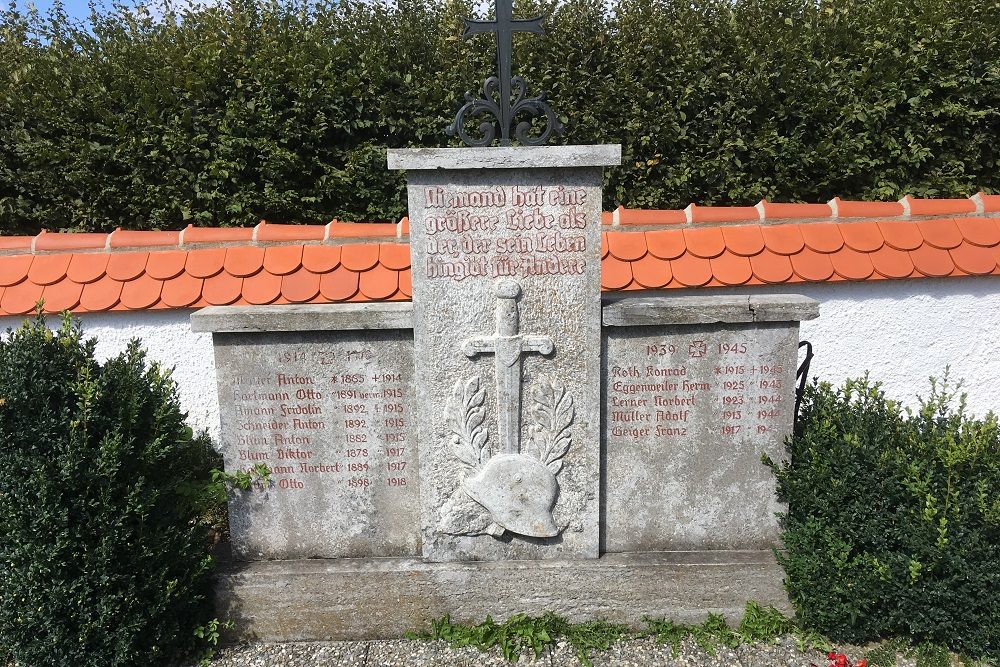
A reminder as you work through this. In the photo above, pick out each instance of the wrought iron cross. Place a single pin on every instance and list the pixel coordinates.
(504, 27)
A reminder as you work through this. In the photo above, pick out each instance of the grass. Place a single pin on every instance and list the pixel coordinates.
(521, 632)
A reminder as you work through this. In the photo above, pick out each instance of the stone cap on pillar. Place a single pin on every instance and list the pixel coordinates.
(508, 157)
(303, 317)
(649, 311)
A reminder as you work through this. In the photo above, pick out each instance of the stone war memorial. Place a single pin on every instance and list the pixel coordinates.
(506, 442)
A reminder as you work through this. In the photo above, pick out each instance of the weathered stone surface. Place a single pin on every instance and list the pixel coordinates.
(319, 599)
(330, 413)
(304, 317)
(638, 311)
(689, 410)
(507, 157)
(506, 292)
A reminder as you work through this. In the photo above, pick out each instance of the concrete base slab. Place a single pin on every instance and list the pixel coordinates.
(384, 598)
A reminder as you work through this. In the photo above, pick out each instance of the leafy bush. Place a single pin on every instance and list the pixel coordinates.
(894, 518)
(102, 566)
(282, 109)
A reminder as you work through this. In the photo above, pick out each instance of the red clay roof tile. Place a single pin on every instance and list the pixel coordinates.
(666, 244)
(378, 283)
(101, 294)
(632, 216)
(868, 209)
(901, 235)
(731, 269)
(122, 238)
(932, 261)
(217, 234)
(243, 261)
(705, 214)
(222, 289)
(87, 267)
(782, 239)
(991, 203)
(395, 256)
(862, 236)
(651, 272)
(273, 232)
(812, 266)
(406, 283)
(774, 210)
(891, 263)
(14, 269)
(141, 293)
(974, 259)
(323, 258)
(21, 298)
(361, 229)
(615, 274)
(604, 245)
(48, 269)
(980, 231)
(941, 233)
(166, 265)
(261, 288)
(851, 264)
(359, 256)
(205, 262)
(339, 285)
(126, 265)
(63, 295)
(607, 217)
(16, 242)
(771, 267)
(282, 260)
(822, 236)
(300, 286)
(691, 270)
(627, 245)
(939, 206)
(744, 240)
(66, 241)
(182, 291)
(704, 242)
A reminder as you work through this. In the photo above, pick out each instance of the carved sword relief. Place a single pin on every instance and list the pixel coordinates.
(515, 491)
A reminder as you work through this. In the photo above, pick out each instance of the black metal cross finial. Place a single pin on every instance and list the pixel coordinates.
(504, 27)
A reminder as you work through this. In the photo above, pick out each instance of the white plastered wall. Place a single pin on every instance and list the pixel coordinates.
(167, 337)
(902, 331)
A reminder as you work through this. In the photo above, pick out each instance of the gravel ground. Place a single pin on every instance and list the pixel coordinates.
(629, 653)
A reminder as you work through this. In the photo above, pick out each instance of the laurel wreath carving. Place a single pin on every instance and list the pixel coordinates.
(553, 413)
(466, 412)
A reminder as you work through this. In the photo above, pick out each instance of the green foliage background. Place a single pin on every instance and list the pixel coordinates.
(103, 560)
(893, 526)
(283, 109)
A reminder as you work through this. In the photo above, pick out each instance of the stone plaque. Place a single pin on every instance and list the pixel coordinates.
(330, 413)
(505, 247)
(689, 409)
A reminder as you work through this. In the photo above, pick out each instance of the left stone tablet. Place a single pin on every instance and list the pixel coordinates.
(321, 395)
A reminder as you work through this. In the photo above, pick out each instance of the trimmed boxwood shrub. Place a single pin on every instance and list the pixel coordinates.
(893, 525)
(282, 109)
(102, 562)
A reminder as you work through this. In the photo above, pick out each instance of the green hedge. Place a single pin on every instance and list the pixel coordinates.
(894, 519)
(103, 558)
(227, 114)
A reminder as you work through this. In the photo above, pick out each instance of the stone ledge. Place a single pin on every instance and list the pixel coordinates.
(383, 598)
(509, 157)
(647, 311)
(303, 317)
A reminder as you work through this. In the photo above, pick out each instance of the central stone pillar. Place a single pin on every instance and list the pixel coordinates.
(506, 261)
